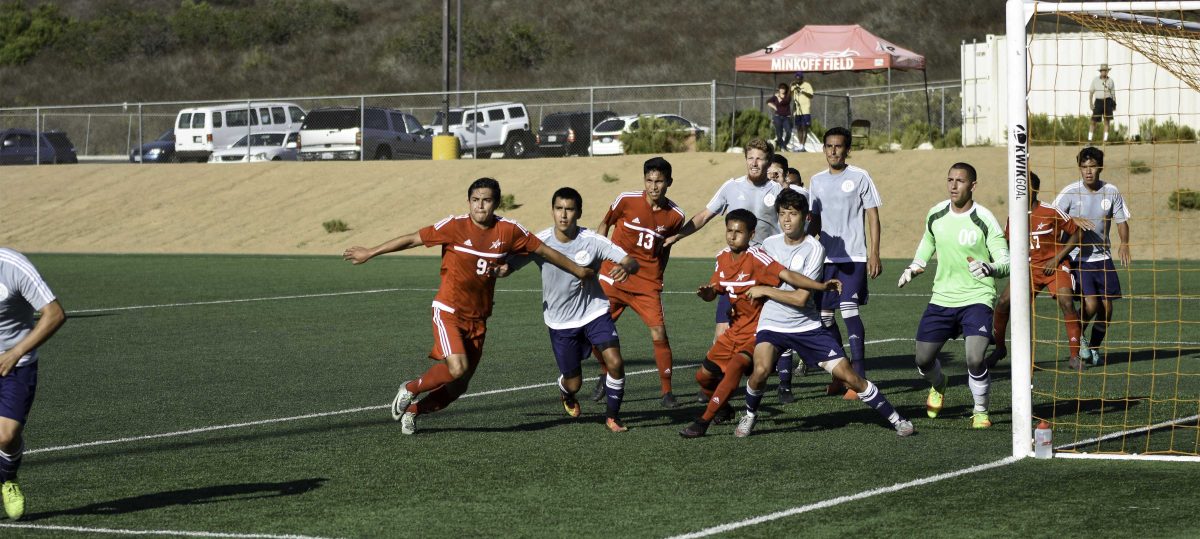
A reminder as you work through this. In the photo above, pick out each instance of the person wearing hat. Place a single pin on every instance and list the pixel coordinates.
(1102, 95)
(802, 93)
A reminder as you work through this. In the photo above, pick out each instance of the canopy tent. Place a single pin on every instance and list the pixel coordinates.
(828, 49)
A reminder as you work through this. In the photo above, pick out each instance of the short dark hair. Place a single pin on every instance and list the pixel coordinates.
(657, 163)
(485, 183)
(782, 86)
(838, 131)
(743, 215)
(779, 159)
(1035, 181)
(569, 193)
(971, 175)
(793, 200)
(1091, 152)
(791, 171)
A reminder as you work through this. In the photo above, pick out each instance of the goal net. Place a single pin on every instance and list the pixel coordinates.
(1139, 64)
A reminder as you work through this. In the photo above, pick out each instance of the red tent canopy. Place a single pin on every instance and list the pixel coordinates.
(827, 49)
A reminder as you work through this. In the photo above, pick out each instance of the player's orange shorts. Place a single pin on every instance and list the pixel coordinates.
(728, 345)
(646, 303)
(1060, 279)
(455, 335)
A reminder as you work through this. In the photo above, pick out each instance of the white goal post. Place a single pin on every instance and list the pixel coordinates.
(1020, 14)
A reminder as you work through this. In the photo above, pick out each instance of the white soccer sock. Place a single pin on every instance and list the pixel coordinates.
(980, 388)
(614, 383)
(1106, 136)
(561, 387)
(934, 376)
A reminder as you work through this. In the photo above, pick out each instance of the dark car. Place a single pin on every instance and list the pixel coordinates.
(21, 147)
(160, 150)
(335, 133)
(566, 133)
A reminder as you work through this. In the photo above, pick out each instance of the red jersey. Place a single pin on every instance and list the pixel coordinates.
(734, 276)
(1047, 226)
(467, 253)
(640, 230)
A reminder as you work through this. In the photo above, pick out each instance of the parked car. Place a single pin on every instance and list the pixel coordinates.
(335, 133)
(566, 133)
(277, 146)
(488, 128)
(159, 150)
(606, 137)
(200, 130)
(26, 147)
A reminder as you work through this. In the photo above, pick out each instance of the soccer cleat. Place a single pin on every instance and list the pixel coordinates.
(724, 413)
(904, 428)
(403, 398)
(1095, 356)
(408, 423)
(615, 425)
(803, 370)
(701, 398)
(979, 420)
(1075, 364)
(571, 405)
(933, 403)
(786, 396)
(598, 392)
(668, 400)
(745, 425)
(14, 501)
(835, 388)
(997, 354)
(695, 430)
(850, 395)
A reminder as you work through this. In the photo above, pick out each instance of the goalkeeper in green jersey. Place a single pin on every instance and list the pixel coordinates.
(972, 253)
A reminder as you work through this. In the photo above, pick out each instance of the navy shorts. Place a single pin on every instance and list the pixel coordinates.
(1097, 279)
(813, 346)
(16, 392)
(571, 346)
(853, 276)
(940, 324)
(723, 307)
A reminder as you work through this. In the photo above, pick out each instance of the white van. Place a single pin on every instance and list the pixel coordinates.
(200, 130)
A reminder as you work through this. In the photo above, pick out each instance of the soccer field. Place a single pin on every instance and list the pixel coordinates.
(246, 396)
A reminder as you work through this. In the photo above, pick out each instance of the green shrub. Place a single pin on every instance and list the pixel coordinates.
(747, 125)
(654, 135)
(1168, 131)
(508, 202)
(24, 33)
(1138, 167)
(1184, 199)
(952, 139)
(486, 45)
(1070, 129)
(335, 225)
(609, 178)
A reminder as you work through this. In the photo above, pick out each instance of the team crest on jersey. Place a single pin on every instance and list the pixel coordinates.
(3, 291)
(742, 276)
(496, 244)
(1042, 225)
(660, 228)
(583, 258)
(769, 200)
(1106, 204)
(847, 186)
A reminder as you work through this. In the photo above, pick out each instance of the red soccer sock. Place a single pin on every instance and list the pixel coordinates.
(1074, 333)
(663, 360)
(707, 381)
(436, 376)
(999, 327)
(729, 384)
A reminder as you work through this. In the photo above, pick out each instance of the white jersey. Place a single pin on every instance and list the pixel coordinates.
(22, 293)
(842, 200)
(808, 258)
(1102, 207)
(741, 193)
(567, 303)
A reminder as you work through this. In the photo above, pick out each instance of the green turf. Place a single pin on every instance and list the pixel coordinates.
(511, 463)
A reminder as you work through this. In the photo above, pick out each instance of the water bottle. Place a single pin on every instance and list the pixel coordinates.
(1043, 446)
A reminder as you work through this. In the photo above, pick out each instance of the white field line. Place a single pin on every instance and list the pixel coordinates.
(845, 499)
(1128, 432)
(169, 533)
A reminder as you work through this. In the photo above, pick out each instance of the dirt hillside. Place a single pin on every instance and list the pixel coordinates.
(279, 208)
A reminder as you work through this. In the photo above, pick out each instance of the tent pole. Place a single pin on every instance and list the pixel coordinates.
(889, 118)
(928, 111)
(733, 113)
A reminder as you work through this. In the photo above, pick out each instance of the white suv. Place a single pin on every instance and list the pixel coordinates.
(488, 128)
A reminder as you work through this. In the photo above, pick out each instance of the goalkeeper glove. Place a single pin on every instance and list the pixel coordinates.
(980, 269)
(911, 271)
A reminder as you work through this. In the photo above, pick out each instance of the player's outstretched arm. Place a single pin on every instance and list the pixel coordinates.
(554, 257)
(707, 292)
(623, 269)
(358, 255)
(1067, 246)
(691, 227)
(795, 298)
(52, 318)
(800, 280)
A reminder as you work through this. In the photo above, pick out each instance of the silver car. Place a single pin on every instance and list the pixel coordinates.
(279, 146)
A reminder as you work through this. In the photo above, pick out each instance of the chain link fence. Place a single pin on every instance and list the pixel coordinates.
(715, 116)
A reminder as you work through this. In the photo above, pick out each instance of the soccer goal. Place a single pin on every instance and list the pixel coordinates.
(1141, 399)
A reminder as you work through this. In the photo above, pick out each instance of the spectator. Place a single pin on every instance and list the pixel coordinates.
(781, 117)
(1102, 96)
(802, 93)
